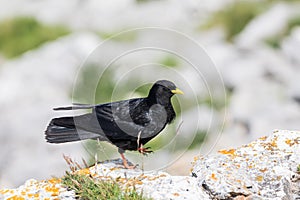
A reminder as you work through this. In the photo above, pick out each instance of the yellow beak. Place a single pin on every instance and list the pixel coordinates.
(177, 91)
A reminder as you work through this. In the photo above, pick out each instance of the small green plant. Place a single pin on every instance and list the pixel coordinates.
(86, 188)
(298, 169)
(18, 35)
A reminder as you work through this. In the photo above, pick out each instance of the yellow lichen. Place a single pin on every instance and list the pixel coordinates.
(227, 152)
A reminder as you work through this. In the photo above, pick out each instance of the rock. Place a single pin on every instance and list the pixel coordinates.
(260, 27)
(291, 45)
(157, 184)
(263, 169)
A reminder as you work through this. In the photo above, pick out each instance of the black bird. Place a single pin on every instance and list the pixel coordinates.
(128, 124)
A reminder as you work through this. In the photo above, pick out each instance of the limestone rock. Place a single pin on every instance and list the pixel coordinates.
(263, 169)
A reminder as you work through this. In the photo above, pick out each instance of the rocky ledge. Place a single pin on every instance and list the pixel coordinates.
(268, 168)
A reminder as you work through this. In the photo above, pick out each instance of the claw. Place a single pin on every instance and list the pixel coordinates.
(144, 151)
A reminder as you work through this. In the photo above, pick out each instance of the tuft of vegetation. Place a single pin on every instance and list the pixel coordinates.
(86, 188)
(298, 169)
(234, 17)
(18, 35)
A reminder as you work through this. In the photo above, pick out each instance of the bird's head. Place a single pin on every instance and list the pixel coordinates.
(163, 90)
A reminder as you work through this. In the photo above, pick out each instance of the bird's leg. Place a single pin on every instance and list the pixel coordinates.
(143, 150)
(125, 163)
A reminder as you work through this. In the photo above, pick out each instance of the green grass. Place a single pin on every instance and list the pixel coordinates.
(18, 35)
(86, 188)
(234, 17)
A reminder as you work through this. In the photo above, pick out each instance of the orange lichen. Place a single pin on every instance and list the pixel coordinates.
(291, 142)
(176, 194)
(273, 143)
(263, 138)
(4, 191)
(54, 180)
(213, 176)
(259, 178)
(227, 152)
(196, 158)
(16, 197)
(85, 171)
(152, 178)
(263, 170)
(51, 189)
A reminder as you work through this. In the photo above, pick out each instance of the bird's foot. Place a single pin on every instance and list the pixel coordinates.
(125, 163)
(144, 151)
(127, 166)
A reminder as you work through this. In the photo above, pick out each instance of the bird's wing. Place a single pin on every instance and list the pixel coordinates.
(116, 121)
(76, 106)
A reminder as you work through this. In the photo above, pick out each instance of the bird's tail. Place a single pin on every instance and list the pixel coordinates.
(61, 130)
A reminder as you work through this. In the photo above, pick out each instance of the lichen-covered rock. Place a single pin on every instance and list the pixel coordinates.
(263, 169)
(156, 185)
(267, 168)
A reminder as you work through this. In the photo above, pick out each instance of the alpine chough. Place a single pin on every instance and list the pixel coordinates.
(128, 124)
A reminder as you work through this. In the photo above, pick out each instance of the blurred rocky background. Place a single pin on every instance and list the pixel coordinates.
(53, 53)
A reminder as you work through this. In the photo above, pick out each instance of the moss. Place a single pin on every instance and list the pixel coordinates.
(18, 35)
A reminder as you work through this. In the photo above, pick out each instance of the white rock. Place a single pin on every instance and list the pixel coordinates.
(265, 25)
